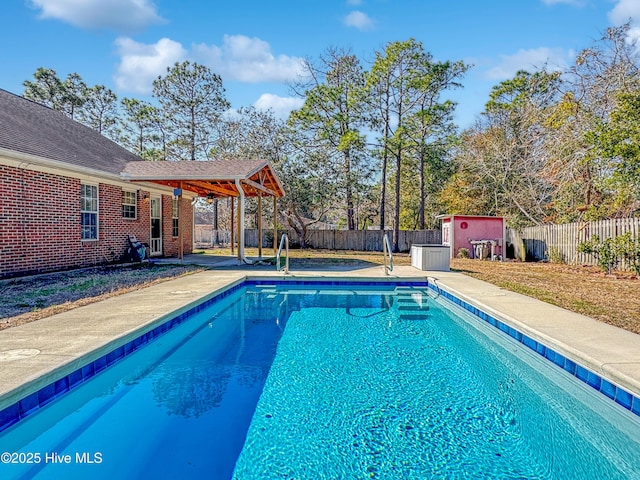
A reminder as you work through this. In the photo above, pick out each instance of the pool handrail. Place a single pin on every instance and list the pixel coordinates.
(284, 241)
(386, 251)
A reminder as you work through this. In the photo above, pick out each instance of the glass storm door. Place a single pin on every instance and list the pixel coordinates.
(156, 227)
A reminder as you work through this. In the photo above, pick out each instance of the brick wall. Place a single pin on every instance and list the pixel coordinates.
(40, 224)
(171, 244)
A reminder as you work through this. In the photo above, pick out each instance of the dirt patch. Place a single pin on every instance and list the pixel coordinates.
(26, 299)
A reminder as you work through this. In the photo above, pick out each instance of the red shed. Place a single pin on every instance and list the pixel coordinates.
(483, 236)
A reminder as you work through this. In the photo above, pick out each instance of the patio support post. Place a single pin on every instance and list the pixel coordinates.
(241, 200)
(259, 225)
(232, 227)
(239, 229)
(275, 224)
(180, 238)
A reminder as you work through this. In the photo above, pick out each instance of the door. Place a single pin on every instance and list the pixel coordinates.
(446, 233)
(155, 244)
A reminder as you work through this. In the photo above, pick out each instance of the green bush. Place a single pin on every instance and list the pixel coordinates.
(610, 252)
(554, 255)
(463, 253)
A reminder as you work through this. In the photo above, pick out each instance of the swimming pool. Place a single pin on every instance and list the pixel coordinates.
(342, 381)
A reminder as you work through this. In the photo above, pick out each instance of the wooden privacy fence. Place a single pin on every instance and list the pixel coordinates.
(362, 240)
(560, 242)
(368, 240)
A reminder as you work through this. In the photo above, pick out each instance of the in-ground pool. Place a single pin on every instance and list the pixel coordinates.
(343, 381)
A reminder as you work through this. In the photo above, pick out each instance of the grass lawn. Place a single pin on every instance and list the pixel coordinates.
(611, 299)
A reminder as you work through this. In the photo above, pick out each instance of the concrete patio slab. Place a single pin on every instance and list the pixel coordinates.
(57, 345)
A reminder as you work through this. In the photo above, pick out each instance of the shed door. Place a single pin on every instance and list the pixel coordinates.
(156, 226)
(446, 233)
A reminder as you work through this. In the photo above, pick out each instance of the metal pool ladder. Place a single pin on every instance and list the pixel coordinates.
(284, 241)
(386, 252)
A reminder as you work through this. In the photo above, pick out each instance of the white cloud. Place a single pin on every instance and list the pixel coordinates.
(120, 15)
(248, 60)
(281, 106)
(533, 59)
(141, 64)
(359, 20)
(633, 37)
(625, 10)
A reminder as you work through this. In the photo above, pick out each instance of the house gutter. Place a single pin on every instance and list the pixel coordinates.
(35, 163)
(27, 161)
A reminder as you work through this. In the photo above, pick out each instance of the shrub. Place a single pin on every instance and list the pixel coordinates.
(463, 253)
(629, 250)
(554, 255)
(610, 252)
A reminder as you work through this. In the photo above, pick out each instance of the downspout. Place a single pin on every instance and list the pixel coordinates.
(241, 223)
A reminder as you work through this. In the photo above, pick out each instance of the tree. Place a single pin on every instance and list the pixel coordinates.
(580, 163)
(100, 110)
(619, 141)
(46, 89)
(250, 134)
(333, 115)
(144, 129)
(193, 100)
(503, 155)
(405, 85)
(431, 130)
(74, 94)
(68, 96)
(310, 192)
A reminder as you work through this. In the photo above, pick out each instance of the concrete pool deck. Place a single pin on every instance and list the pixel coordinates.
(36, 354)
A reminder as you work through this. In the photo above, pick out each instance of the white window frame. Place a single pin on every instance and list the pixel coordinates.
(89, 205)
(133, 204)
(175, 214)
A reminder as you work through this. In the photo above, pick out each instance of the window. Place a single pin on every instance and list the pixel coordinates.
(174, 216)
(129, 202)
(89, 211)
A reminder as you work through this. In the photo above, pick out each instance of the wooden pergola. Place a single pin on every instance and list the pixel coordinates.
(216, 179)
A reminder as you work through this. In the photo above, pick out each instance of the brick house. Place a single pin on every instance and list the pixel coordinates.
(69, 198)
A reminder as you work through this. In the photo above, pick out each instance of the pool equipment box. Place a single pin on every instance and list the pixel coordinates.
(430, 257)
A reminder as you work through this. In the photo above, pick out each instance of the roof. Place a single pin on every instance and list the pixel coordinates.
(33, 129)
(217, 177)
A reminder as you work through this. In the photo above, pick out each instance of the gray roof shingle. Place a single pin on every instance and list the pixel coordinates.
(189, 169)
(33, 129)
(30, 128)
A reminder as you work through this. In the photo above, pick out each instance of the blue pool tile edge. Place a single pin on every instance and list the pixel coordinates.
(592, 379)
(34, 401)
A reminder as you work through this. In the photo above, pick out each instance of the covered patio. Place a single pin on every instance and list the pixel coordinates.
(216, 179)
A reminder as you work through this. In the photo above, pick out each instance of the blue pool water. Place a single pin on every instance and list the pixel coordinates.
(306, 382)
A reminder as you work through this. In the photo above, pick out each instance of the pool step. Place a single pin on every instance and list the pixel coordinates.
(415, 302)
(412, 305)
(414, 317)
(413, 308)
(407, 299)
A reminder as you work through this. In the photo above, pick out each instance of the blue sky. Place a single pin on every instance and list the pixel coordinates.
(257, 46)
